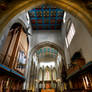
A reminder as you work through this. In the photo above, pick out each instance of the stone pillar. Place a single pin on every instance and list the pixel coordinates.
(43, 76)
(31, 75)
(28, 72)
(37, 83)
(51, 76)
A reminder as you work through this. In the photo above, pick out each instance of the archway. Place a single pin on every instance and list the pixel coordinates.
(37, 47)
(47, 43)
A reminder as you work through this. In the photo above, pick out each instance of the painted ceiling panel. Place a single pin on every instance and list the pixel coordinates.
(47, 52)
(46, 17)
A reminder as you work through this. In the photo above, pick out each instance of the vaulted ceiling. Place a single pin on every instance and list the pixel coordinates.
(47, 54)
(46, 17)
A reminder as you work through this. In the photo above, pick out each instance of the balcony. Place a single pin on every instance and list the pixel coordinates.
(75, 66)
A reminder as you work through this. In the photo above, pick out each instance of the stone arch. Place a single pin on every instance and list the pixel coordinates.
(19, 21)
(47, 43)
(15, 21)
(75, 8)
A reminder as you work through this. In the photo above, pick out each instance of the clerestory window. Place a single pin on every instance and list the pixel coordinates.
(70, 35)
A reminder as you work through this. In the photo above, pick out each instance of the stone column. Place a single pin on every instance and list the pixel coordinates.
(51, 76)
(38, 67)
(43, 76)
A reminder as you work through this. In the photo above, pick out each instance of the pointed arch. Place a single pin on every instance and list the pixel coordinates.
(73, 7)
